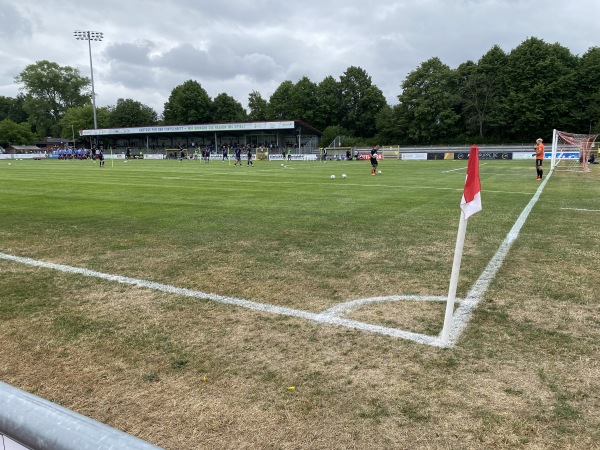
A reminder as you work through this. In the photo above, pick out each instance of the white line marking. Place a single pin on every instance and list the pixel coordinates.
(332, 315)
(355, 304)
(504, 192)
(199, 177)
(265, 307)
(455, 170)
(581, 209)
(460, 168)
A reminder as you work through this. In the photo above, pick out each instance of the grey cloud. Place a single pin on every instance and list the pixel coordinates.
(132, 77)
(130, 53)
(14, 24)
(218, 62)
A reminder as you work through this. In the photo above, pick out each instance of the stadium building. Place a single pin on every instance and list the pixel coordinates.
(272, 136)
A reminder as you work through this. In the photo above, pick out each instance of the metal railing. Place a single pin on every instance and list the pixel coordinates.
(42, 425)
(310, 145)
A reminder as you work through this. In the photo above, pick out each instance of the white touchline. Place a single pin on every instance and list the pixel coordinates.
(332, 315)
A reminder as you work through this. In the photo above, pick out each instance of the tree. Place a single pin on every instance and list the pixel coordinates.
(131, 113)
(228, 109)
(587, 105)
(304, 100)
(428, 104)
(540, 89)
(361, 101)
(259, 107)
(49, 91)
(82, 118)
(480, 87)
(329, 103)
(386, 125)
(294, 101)
(12, 133)
(280, 102)
(371, 105)
(188, 103)
(491, 67)
(12, 108)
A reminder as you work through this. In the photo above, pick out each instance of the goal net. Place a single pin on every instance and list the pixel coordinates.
(572, 151)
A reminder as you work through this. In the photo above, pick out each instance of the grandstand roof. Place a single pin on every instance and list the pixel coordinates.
(234, 128)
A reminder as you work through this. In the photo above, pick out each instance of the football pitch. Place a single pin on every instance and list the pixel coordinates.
(216, 306)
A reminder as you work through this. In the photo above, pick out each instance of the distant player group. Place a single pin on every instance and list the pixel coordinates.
(94, 154)
(238, 156)
(68, 153)
(205, 155)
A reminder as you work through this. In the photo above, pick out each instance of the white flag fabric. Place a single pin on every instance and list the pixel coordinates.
(471, 199)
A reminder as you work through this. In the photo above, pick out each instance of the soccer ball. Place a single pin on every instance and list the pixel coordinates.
(379, 172)
(333, 177)
(343, 175)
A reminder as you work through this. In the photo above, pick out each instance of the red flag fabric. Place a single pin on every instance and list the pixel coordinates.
(471, 199)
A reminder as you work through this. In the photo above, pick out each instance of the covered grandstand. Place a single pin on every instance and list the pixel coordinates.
(276, 136)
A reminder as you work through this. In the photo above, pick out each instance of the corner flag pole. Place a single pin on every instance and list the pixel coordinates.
(112, 161)
(469, 205)
(458, 249)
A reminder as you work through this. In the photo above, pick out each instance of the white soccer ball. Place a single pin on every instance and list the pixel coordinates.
(343, 175)
(379, 172)
(333, 177)
(9, 164)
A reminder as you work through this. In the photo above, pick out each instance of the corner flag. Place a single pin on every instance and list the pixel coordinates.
(470, 204)
(471, 199)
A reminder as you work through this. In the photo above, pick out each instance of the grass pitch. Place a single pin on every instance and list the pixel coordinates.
(186, 373)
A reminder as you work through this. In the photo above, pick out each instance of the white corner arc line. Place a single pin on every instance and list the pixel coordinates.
(331, 316)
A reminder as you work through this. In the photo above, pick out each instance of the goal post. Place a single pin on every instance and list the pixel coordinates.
(571, 151)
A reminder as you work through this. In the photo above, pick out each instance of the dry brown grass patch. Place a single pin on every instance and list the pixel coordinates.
(417, 316)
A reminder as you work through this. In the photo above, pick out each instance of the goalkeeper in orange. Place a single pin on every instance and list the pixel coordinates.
(539, 158)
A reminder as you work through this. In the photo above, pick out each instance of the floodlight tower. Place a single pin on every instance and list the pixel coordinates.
(90, 36)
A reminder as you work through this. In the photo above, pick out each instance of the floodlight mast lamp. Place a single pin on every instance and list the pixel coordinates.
(90, 36)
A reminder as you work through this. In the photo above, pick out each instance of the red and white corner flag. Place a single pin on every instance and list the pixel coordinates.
(471, 199)
(470, 204)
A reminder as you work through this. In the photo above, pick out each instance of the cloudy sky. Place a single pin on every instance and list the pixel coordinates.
(240, 46)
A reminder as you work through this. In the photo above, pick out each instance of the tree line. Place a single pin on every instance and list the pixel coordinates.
(503, 97)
